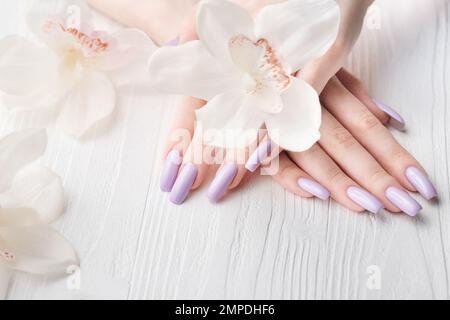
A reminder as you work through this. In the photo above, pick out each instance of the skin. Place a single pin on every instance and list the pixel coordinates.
(346, 155)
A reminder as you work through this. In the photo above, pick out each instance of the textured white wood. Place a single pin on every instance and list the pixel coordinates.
(262, 242)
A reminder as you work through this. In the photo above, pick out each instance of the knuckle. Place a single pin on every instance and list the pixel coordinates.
(314, 150)
(343, 137)
(367, 121)
(286, 171)
(377, 176)
(399, 155)
(336, 176)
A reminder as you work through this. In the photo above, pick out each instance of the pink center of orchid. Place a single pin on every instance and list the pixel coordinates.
(76, 49)
(93, 44)
(263, 73)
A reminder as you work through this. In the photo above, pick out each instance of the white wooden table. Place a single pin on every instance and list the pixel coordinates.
(262, 242)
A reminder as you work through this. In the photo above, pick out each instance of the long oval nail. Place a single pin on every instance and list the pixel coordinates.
(402, 200)
(170, 170)
(184, 183)
(222, 181)
(421, 182)
(258, 156)
(314, 188)
(365, 199)
(396, 120)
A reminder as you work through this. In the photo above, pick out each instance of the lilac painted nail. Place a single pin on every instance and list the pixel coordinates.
(170, 170)
(258, 156)
(222, 181)
(421, 182)
(365, 199)
(314, 188)
(173, 42)
(184, 183)
(396, 120)
(402, 200)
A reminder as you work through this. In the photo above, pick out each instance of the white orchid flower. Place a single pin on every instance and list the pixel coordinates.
(31, 197)
(243, 67)
(77, 69)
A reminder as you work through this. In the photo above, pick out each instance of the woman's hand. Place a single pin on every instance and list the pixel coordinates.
(382, 166)
(357, 161)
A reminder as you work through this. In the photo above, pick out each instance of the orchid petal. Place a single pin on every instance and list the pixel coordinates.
(36, 250)
(91, 100)
(127, 56)
(300, 30)
(230, 120)
(36, 197)
(218, 21)
(18, 150)
(30, 76)
(296, 127)
(190, 70)
(126, 45)
(24, 66)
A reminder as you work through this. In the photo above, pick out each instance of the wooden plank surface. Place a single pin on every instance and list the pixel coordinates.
(262, 242)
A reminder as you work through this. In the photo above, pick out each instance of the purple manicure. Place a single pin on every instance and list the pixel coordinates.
(396, 120)
(314, 188)
(402, 200)
(170, 170)
(222, 181)
(258, 156)
(421, 182)
(365, 199)
(173, 42)
(184, 183)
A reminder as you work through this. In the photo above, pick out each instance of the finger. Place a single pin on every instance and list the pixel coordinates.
(198, 157)
(384, 113)
(229, 175)
(359, 164)
(191, 174)
(239, 163)
(266, 151)
(295, 180)
(181, 176)
(377, 139)
(179, 139)
(317, 163)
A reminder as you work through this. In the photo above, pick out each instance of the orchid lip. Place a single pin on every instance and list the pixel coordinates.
(264, 76)
(92, 44)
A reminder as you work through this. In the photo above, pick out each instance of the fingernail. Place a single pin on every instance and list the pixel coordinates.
(402, 200)
(314, 188)
(173, 42)
(170, 170)
(396, 120)
(421, 182)
(365, 199)
(222, 181)
(258, 156)
(184, 184)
